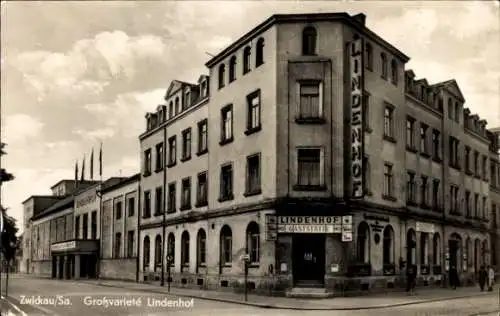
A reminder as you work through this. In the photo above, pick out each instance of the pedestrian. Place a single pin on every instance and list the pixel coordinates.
(491, 278)
(483, 278)
(453, 275)
(414, 279)
(409, 278)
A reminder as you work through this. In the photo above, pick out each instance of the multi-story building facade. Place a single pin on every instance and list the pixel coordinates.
(494, 136)
(303, 120)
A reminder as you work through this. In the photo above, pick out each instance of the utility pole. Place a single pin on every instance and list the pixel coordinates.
(164, 208)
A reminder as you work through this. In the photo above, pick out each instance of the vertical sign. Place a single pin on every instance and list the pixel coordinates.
(357, 132)
(271, 227)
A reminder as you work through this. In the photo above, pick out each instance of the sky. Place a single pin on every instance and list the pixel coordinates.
(75, 74)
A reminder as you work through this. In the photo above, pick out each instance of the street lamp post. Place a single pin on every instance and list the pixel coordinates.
(245, 258)
(169, 277)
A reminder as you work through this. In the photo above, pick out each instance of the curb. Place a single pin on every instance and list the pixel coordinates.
(269, 306)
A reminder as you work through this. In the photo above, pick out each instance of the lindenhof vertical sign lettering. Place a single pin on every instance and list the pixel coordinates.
(357, 132)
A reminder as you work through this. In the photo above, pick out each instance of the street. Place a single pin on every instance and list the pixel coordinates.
(54, 297)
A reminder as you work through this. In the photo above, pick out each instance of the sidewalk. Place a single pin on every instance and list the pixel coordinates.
(375, 301)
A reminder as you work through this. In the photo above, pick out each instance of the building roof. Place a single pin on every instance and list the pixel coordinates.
(120, 182)
(42, 197)
(353, 21)
(59, 205)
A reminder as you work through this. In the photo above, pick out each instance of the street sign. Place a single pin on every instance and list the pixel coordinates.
(245, 257)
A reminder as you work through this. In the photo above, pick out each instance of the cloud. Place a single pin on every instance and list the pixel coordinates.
(19, 128)
(90, 64)
(478, 17)
(95, 135)
(126, 113)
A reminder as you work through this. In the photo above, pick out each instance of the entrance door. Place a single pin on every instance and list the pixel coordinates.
(61, 267)
(308, 251)
(453, 245)
(54, 267)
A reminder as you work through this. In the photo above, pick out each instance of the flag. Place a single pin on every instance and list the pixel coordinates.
(100, 161)
(76, 171)
(83, 169)
(92, 164)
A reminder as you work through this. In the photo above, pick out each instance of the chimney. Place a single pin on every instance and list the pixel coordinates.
(361, 18)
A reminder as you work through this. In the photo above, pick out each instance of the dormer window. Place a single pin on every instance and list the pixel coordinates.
(203, 88)
(247, 52)
(309, 38)
(222, 74)
(232, 69)
(394, 72)
(259, 54)
(171, 109)
(177, 106)
(187, 96)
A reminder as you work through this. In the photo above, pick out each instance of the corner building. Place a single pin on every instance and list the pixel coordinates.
(307, 119)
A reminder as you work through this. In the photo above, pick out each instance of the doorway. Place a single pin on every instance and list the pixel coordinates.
(308, 255)
(54, 267)
(453, 245)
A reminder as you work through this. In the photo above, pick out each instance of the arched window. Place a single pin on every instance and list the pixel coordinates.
(470, 253)
(232, 69)
(171, 109)
(157, 252)
(253, 242)
(383, 64)
(388, 254)
(247, 52)
(259, 54)
(185, 248)
(369, 56)
(411, 245)
(201, 241)
(484, 252)
(363, 243)
(394, 72)
(177, 106)
(424, 249)
(222, 74)
(309, 38)
(226, 246)
(477, 249)
(436, 250)
(146, 253)
(171, 248)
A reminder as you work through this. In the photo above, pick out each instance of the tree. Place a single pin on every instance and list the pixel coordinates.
(8, 237)
(4, 175)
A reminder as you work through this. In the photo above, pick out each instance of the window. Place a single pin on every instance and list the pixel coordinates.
(177, 106)
(410, 187)
(93, 225)
(159, 156)
(118, 245)
(467, 158)
(158, 200)
(363, 243)
(450, 109)
(232, 69)
(201, 247)
(187, 99)
(457, 112)
(485, 209)
(172, 150)
(410, 132)
(367, 174)
(227, 124)
(476, 163)
(388, 254)
(383, 63)
(485, 167)
(247, 52)
(253, 111)
(226, 183)
(186, 194)
(436, 135)
(202, 190)
(202, 137)
(435, 194)
(85, 226)
(476, 205)
(369, 56)
(366, 111)
(309, 167)
(171, 110)
(454, 152)
(253, 243)
(259, 54)
(226, 246)
(171, 197)
(186, 144)
(454, 202)
(253, 175)
(77, 227)
(388, 122)
(311, 100)
(158, 251)
(424, 249)
(394, 72)
(204, 90)
(146, 253)
(131, 207)
(130, 244)
(171, 248)
(185, 249)
(436, 250)
(147, 162)
(493, 173)
(468, 210)
(424, 186)
(118, 210)
(423, 138)
(388, 180)
(147, 205)
(309, 38)
(222, 74)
